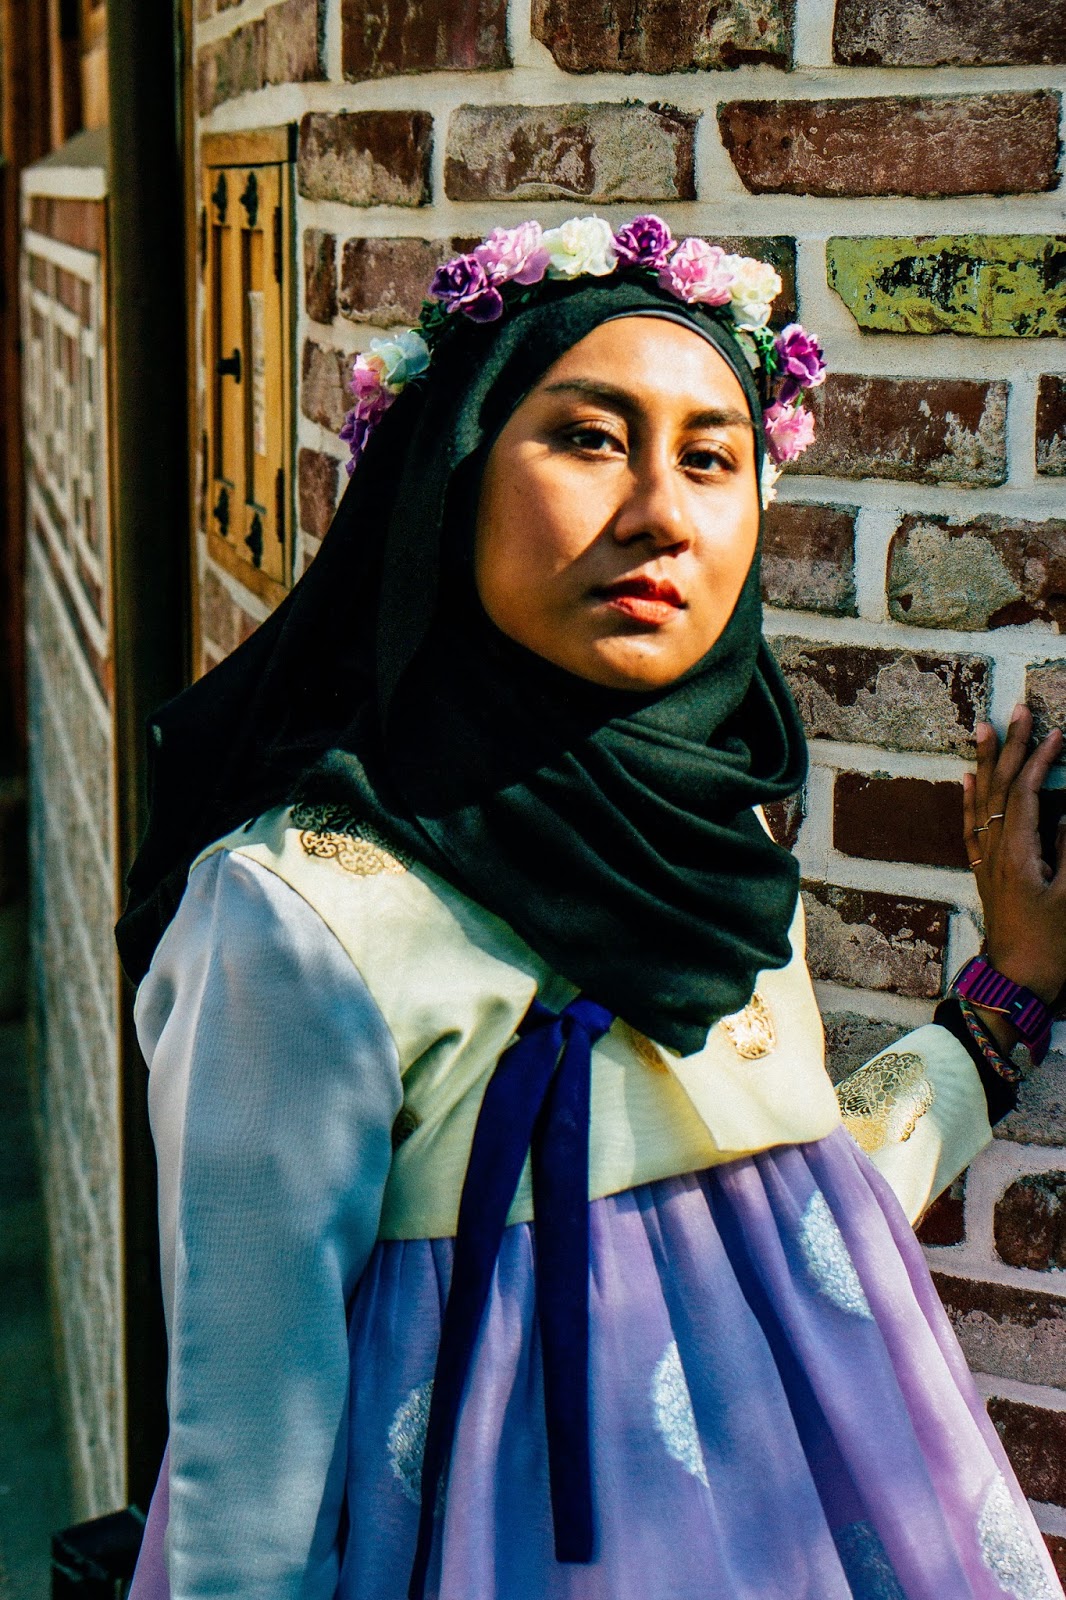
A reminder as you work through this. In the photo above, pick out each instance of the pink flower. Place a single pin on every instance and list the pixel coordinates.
(463, 285)
(695, 271)
(367, 380)
(802, 362)
(371, 403)
(513, 255)
(644, 242)
(789, 430)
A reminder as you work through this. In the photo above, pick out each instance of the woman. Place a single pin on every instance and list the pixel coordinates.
(503, 752)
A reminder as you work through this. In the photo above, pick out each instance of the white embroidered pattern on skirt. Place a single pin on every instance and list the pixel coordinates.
(1007, 1549)
(407, 1440)
(827, 1258)
(674, 1416)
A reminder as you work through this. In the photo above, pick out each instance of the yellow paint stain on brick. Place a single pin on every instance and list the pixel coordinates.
(1007, 286)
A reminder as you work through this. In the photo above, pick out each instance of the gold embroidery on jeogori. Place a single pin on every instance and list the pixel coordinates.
(884, 1101)
(751, 1032)
(332, 833)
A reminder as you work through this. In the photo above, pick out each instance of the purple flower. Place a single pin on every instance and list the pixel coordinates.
(698, 271)
(802, 362)
(514, 255)
(463, 285)
(644, 242)
(789, 430)
(361, 421)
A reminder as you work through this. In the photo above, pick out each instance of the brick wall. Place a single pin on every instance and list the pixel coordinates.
(901, 165)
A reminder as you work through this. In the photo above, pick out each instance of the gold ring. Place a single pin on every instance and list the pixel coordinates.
(981, 829)
(976, 862)
(995, 817)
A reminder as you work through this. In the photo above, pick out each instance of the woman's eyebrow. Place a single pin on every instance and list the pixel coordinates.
(623, 401)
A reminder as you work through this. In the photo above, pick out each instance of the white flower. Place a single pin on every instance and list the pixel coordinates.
(768, 484)
(399, 358)
(582, 245)
(754, 288)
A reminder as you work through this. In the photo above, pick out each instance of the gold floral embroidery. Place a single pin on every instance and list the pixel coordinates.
(332, 833)
(751, 1031)
(884, 1101)
(645, 1051)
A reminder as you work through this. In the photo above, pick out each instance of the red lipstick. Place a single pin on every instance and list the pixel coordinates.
(651, 601)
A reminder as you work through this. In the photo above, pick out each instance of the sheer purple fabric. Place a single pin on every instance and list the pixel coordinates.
(780, 1411)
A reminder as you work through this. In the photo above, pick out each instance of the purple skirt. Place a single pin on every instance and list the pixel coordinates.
(780, 1411)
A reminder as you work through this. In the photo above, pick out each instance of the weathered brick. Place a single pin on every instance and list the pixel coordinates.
(1045, 694)
(901, 699)
(604, 152)
(808, 557)
(934, 33)
(986, 572)
(1035, 1440)
(1051, 426)
(951, 144)
(1041, 1115)
(664, 35)
(785, 817)
(898, 819)
(317, 479)
(384, 281)
(934, 430)
(1030, 1222)
(852, 1039)
(1006, 1331)
(366, 158)
(945, 1221)
(422, 36)
(872, 940)
(320, 274)
(231, 66)
(1057, 1551)
(1006, 286)
(295, 41)
(220, 615)
(324, 393)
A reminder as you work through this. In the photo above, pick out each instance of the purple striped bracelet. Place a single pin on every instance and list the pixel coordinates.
(978, 982)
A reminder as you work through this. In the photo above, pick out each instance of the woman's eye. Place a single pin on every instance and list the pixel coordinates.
(597, 440)
(708, 460)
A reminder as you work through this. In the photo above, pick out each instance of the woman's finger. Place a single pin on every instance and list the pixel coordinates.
(987, 751)
(1011, 760)
(1022, 821)
(971, 841)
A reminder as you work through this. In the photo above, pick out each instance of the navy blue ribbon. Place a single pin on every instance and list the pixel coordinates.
(537, 1101)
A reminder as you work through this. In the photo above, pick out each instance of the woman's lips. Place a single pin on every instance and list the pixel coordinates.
(644, 600)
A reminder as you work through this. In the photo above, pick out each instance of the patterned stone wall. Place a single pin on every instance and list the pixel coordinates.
(902, 165)
(73, 976)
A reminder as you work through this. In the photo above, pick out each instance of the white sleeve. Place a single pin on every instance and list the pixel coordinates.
(919, 1111)
(273, 1088)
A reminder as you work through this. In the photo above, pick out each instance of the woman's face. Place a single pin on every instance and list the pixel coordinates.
(619, 511)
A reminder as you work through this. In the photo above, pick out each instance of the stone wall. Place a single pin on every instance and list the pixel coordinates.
(901, 164)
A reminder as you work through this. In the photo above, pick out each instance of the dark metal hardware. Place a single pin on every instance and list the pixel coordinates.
(95, 1560)
(254, 541)
(250, 199)
(221, 512)
(220, 196)
(230, 366)
(279, 504)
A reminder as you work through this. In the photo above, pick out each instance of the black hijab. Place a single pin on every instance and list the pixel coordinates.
(612, 830)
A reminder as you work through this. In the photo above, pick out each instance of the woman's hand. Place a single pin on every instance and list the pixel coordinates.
(1024, 901)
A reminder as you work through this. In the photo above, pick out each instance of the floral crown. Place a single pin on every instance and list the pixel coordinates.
(499, 274)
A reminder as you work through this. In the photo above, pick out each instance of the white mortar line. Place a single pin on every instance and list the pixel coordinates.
(1030, 1394)
(1008, 688)
(1021, 430)
(1049, 1519)
(1030, 641)
(813, 844)
(997, 1166)
(813, 33)
(874, 528)
(946, 885)
(333, 52)
(1045, 499)
(879, 1005)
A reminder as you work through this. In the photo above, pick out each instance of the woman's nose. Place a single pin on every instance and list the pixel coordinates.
(654, 507)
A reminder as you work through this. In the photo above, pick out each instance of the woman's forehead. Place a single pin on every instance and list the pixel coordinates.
(653, 358)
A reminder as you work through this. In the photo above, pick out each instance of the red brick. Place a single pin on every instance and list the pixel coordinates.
(872, 940)
(899, 819)
(919, 430)
(1035, 1440)
(366, 158)
(952, 144)
(785, 817)
(223, 623)
(1051, 426)
(808, 557)
(1045, 694)
(1006, 1331)
(1057, 1551)
(1030, 1222)
(296, 41)
(324, 394)
(933, 33)
(610, 151)
(422, 36)
(852, 1039)
(985, 572)
(384, 281)
(900, 699)
(318, 476)
(945, 1221)
(320, 274)
(231, 66)
(664, 35)
(1041, 1113)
